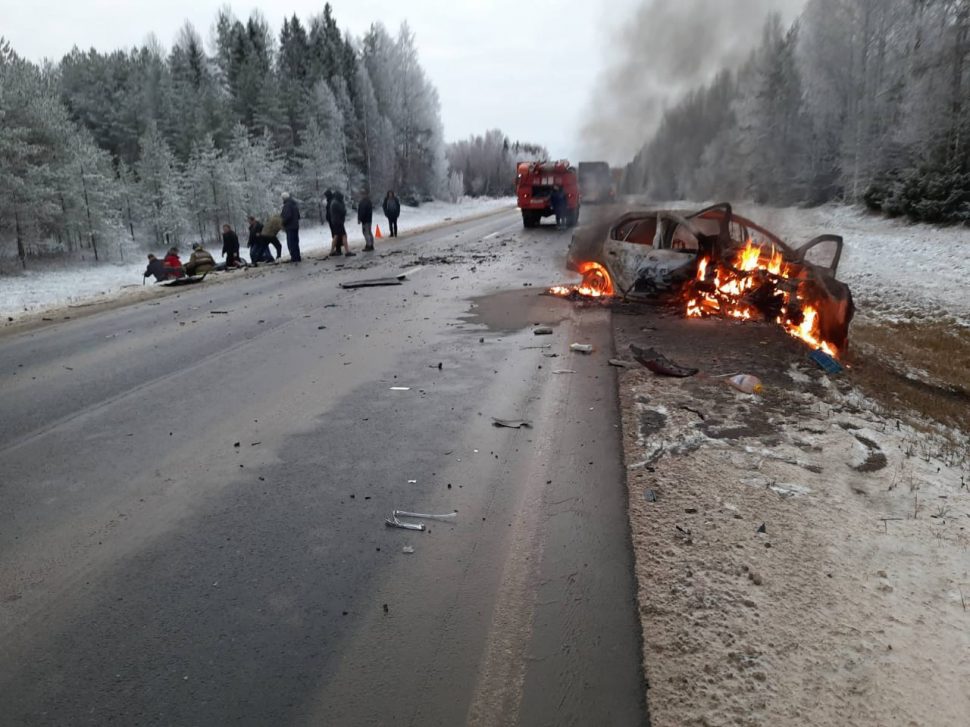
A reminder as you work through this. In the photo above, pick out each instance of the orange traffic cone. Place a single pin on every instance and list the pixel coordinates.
(379, 236)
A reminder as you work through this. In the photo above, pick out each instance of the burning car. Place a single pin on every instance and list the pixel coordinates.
(721, 264)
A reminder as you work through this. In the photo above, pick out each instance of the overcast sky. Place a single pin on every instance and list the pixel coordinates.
(525, 67)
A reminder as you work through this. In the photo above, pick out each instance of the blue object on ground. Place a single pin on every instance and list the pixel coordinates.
(825, 362)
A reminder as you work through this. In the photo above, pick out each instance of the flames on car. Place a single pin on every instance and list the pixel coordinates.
(717, 263)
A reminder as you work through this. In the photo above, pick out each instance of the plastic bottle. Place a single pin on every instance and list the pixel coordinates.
(747, 383)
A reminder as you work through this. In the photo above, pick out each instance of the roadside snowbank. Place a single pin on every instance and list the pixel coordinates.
(40, 290)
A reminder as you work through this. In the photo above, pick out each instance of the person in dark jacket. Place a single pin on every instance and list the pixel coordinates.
(392, 210)
(365, 216)
(230, 247)
(157, 268)
(291, 223)
(258, 244)
(558, 202)
(338, 216)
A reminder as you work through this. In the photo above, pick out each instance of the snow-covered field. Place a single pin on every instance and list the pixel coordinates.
(36, 291)
(896, 270)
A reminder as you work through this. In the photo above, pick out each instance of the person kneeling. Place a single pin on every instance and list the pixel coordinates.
(200, 262)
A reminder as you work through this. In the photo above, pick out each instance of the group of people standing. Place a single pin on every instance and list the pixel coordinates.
(336, 216)
(262, 237)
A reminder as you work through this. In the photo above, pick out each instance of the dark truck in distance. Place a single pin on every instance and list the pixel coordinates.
(596, 182)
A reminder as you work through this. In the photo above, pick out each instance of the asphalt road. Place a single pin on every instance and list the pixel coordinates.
(193, 492)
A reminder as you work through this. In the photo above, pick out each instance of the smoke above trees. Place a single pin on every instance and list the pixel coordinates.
(856, 100)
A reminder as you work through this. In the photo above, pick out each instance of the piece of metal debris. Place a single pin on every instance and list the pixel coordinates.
(393, 522)
(620, 363)
(400, 388)
(512, 423)
(447, 517)
(542, 331)
(581, 347)
(371, 283)
(659, 364)
(405, 549)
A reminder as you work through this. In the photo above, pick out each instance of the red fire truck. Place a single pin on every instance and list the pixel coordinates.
(534, 187)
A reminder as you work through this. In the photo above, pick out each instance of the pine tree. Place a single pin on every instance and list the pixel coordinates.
(158, 186)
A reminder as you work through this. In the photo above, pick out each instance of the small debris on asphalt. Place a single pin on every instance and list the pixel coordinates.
(447, 517)
(393, 522)
(762, 529)
(563, 371)
(407, 549)
(400, 388)
(542, 331)
(649, 495)
(511, 423)
(581, 347)
(371, 283)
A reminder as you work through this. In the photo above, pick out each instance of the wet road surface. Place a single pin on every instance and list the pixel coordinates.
(194, 489)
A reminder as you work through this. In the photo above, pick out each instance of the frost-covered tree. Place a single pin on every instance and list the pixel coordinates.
(159, 188)
(485, 165)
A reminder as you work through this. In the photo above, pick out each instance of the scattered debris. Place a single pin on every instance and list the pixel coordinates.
(372, 283)
(620, 363)
(827, 363)
(581, 347)
(542, 331)
(659, 364)
(746, 383)
(649, 495)
(219, 312)
(511, 423)
(400, 388)
(393, 522)
(762, 529)
(406, 549)
(563, 371)
(447, 517)
(529, 348)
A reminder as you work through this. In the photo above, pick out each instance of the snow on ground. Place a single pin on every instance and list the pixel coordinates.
(73, 283)
(896, 270)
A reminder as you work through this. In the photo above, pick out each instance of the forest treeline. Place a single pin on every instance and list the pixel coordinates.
(162, 146)
(858, 100)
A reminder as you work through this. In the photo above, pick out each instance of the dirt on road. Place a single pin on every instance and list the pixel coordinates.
(802, 555)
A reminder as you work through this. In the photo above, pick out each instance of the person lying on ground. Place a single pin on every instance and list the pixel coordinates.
(173, 263)
(230, 247)
(200, 262)
(157, 268)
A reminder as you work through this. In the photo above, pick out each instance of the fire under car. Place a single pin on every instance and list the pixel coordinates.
(722, 264)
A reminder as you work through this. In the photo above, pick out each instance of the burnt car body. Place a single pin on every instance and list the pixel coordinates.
(649, 252)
